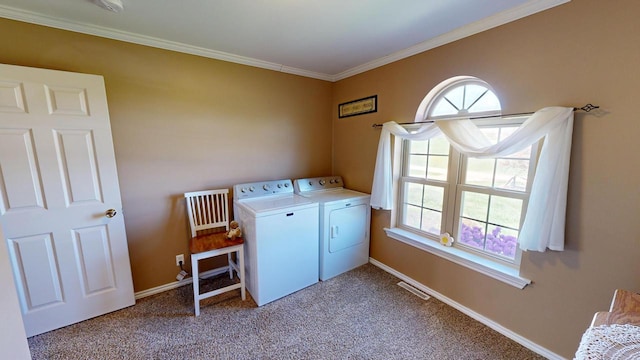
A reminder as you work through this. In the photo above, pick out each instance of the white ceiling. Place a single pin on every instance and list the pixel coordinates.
(324, 39)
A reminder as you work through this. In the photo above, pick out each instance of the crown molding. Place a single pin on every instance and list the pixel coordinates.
(529, 8)
(109, 33)
(524, 10)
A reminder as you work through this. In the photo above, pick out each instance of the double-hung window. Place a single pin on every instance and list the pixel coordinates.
(480, 202)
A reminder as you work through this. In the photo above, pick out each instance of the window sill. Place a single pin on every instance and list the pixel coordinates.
(482, 265)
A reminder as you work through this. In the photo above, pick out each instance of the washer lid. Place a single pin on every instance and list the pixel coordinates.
(267, 205)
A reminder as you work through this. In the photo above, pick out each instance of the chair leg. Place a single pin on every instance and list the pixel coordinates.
(240, 261)
(230, 267)
(196, 284)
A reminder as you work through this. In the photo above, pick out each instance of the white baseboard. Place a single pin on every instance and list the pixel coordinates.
(482, 319)
(177, 284)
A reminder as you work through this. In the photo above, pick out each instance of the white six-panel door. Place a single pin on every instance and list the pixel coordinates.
(58, 180)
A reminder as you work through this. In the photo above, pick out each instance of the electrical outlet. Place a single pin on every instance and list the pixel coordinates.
(179, 258)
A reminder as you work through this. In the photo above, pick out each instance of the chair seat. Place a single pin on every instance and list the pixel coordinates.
(213, 241)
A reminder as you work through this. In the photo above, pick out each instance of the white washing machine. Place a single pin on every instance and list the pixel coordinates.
(345, 217)
(280, 231)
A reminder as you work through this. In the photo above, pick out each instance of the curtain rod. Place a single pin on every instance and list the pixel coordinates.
(585, 108)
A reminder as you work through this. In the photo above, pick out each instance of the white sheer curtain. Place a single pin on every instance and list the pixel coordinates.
(545, 219)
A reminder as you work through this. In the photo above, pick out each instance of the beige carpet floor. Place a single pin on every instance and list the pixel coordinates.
(361, 314)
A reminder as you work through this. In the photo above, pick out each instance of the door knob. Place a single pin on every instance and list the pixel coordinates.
(111, 213)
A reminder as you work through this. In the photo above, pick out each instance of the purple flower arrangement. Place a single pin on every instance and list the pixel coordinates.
(495, 242)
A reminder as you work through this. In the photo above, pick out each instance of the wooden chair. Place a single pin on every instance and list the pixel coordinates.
(209, 221)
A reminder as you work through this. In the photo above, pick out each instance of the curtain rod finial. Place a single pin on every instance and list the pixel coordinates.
(587, 108)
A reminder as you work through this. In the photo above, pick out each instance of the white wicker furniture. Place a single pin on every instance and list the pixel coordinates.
(614, 334)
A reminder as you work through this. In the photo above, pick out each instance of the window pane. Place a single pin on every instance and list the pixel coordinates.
(502, 242)
(456, 97)
(438, 167)
(418, 147)
(429, 159)
(512, 174)
(422, 208)
(412, 216)
(431, 221)
(480, 172)
(505, 211)
(413, 194)
(439, 146)
(486, 103)
(417, 166)
(475, 205)
(506, 131)
(471, 233)
(433, 197)
(523, 154)
(443, 108)
(493, 134)
(472, 95)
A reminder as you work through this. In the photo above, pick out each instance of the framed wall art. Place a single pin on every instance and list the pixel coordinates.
(358, 107)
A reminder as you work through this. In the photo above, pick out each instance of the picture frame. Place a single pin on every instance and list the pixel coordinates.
(362, 106)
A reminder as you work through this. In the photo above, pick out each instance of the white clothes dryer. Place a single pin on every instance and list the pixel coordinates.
(280, 231)
(345, 218)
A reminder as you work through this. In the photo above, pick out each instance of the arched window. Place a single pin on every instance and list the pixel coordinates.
(481, 202)
(459, 97)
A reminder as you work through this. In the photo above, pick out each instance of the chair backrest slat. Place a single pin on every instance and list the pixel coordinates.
(207, 209)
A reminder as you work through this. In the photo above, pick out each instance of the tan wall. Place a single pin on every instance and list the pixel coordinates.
(182, 123)
(584, 51)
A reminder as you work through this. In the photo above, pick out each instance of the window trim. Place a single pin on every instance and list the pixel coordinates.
(501, 272)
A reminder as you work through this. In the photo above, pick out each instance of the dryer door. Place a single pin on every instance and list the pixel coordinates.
(347, 227)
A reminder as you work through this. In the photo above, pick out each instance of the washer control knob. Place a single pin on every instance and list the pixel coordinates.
(266, 187)
(322, 182)
(286, 185)
(244, 190)
(332, 181)
(252, 189)
(310, 183)
(337, 181)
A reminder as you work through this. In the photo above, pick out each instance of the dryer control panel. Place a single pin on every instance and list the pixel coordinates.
(262, 188)
(318, 183)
